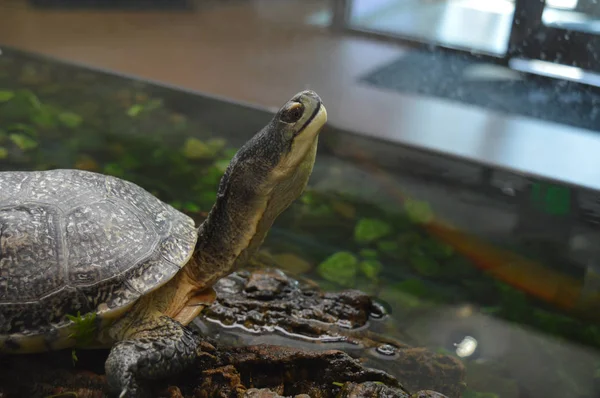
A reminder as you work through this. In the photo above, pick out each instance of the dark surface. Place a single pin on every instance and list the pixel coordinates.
(443, 75)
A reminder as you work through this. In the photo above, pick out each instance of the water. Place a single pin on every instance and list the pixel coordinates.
(491, 267)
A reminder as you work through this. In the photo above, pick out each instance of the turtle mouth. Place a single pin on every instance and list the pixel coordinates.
(312, 116)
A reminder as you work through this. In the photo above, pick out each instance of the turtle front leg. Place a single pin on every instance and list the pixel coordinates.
(156, 349)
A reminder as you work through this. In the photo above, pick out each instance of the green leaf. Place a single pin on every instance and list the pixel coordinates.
(114, 169)
(196, 149)
(370, 268)
(368, 253)
(419, 212)
(222, 165)
(3, 152)
(229, 153)
(70, 119)
(308, 197)
(135, 110)
(6, 95)
(340, 268)
(153, 104)
(216, 144)
(369, 229)
(33, 99)
(22, 128)
(211, 178)
(44, 117)
(189, 206)
(424, 264)
(414, 287)
(84, 327)
(23, 142)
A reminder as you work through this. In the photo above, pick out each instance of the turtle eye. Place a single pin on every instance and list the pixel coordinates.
(293, 113)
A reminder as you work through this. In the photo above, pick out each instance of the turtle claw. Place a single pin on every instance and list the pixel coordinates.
(157, 349)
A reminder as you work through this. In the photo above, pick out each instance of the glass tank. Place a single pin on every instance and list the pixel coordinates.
(462, 226)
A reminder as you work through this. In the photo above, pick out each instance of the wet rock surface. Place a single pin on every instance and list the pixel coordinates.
(267, 298)
(264, 301)
(267, 302)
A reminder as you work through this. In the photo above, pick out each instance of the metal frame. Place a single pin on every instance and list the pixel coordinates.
(559, 42)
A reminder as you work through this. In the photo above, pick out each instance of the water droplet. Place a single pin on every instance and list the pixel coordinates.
(378, 311)
(386, 349)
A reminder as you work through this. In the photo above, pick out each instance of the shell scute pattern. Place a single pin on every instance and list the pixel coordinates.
(12, 183)
(30, 245)
(63, 187)
(75, 240)
(105, 239)
(166, 220)
(139, 199)
(149, 273)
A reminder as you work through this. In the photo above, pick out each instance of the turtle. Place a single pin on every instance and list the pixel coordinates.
(89, 260)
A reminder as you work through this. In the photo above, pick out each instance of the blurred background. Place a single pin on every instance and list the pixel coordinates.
(459, 180)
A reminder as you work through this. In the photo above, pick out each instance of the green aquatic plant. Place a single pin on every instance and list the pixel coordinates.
(147, 106)
(415, 287)
(84, 327)
(423, 263)
(368, 230)
(370, 268)
(84, 330)
(24, 142)
(70, 119)
(340, 268)
(135, 110)
(6, 95)
(418, 211)
(195, 148)
(368, 253)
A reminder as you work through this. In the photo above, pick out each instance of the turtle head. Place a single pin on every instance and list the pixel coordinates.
(278, 161)
(265, 176)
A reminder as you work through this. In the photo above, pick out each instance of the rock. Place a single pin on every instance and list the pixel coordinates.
(371, 389)
(267, 300)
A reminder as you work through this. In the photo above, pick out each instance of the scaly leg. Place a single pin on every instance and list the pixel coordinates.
(156, 349)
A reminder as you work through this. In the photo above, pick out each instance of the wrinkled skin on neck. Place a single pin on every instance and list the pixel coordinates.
(262, 180)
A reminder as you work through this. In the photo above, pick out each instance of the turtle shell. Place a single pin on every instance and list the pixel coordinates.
(76, 241)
